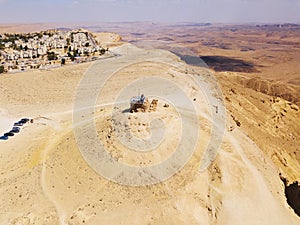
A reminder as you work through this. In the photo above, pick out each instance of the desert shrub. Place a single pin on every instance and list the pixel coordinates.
(1, 69)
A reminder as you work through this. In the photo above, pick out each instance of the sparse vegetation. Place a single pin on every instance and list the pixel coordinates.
(102, 51)
(51, 56)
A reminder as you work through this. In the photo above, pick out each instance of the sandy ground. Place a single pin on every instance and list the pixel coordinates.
(6, 123)
(108, 39)
(44, 179)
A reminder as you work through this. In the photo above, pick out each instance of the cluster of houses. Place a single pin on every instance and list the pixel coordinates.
(19, 52)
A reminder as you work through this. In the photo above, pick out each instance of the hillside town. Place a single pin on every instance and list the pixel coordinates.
(47, 49)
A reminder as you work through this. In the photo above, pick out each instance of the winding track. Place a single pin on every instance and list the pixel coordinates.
(113, 65)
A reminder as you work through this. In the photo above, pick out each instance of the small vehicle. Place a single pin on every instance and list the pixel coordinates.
(4, 138)
(18, 124)
(9, 134)
(24, 120)
(15, 130)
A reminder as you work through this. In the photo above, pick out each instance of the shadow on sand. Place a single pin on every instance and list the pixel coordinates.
(223, 64)
(126, 111)
(219, 63)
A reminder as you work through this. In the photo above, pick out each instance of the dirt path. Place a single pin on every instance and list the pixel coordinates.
(246, 180)
(44, 178)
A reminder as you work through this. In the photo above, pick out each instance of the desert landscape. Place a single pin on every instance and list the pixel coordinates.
(54, 172)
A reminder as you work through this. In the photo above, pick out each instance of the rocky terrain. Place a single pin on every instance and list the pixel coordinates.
(47, 178)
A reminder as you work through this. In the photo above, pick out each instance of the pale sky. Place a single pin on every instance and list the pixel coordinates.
(226, 11)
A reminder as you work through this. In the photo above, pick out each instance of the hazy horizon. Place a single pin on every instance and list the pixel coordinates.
(165, 11)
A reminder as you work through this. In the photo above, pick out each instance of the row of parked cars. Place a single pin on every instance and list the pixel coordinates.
(16, 129)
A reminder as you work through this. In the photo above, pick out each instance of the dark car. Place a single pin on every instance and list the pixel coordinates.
(18, 124)
(9, 134)
(15, 130)
(4, 138)
(24, 120)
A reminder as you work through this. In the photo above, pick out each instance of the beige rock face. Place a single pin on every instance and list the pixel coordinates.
(44, 179)
(108, 39)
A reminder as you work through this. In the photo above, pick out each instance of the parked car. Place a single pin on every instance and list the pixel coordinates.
(24, 120)
(15, 130)
(4, 138)
(9, 134)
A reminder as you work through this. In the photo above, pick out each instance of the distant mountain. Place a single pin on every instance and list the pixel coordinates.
(63, 29)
